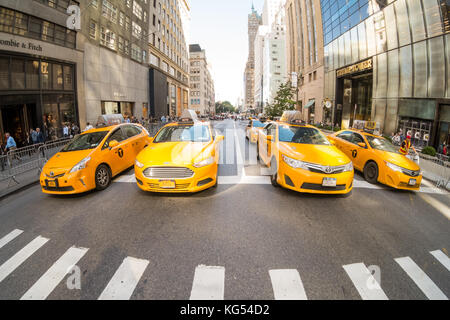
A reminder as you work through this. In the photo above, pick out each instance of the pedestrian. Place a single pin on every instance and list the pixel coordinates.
(75, 130)
(444, 150)
(88, 127)
(66, 131)
(39, 136)
(441, 148)
(406, 146)
(163, 119)
(11, 146)
(33, 134)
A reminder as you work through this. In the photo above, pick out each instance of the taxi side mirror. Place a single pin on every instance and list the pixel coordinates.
(113, 144)
(270, 138)
(220, 138)
(362, 145)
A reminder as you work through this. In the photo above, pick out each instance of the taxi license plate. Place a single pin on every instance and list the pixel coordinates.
(167, 184)
(412, 182)
(51, 183)
(329, 182)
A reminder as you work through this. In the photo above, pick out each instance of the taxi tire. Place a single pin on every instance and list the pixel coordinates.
(274, 177)
(371, 172)
(107, 175)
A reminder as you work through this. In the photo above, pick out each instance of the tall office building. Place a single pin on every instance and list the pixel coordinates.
(169, 57)
(202, 95)
(254, 21)
(305, 56)
(51, 75)
(388, 61)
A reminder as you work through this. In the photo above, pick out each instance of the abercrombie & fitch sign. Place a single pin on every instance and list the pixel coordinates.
(22, 45)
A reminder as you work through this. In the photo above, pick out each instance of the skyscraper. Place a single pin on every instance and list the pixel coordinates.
(254, 21)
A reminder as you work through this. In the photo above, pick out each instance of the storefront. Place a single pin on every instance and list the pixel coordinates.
(36, 93)
(118, 107)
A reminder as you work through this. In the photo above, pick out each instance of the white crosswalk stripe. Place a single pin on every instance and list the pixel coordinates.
(428, 287)
(367, 286)
(209, 283)
(125, 280)
(15, 261)
(287, 285)
(48, 282)
(442, 258)
(9, 237)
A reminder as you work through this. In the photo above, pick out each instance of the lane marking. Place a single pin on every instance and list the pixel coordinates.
(367, 286)
(125, 280)
(15, 261)
(50, 280)
(9, 237)
(287, 285)
(425, 284)
(438, 205)
(442, 258)
(209, 283)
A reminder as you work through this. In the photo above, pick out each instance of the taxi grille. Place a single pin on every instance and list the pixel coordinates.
(317, 168)
(168, 173)
(177, 187)
(411, 173)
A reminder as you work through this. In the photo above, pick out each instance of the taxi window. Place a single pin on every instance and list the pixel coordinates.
(130, 131)
(302, 135)
(85, 141)
(356, 138)
(195, 133)
(346, 135)
(116, 135)
(380, 143)
(258, 124)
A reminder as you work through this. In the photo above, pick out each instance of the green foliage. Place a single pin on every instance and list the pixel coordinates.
(282, 102)
(429, 151)
(224, 107)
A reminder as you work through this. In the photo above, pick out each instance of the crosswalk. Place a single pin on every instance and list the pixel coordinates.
(209, 281)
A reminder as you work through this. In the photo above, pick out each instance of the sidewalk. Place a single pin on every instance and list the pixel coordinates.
(25, 179)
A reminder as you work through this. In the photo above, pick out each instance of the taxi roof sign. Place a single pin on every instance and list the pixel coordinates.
(367, 126)
(189, 115)
(108, 120)
(292, 116)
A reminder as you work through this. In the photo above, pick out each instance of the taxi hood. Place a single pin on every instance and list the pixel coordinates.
(318, 154)
(397, 159)
(66, 160)
(173, 153)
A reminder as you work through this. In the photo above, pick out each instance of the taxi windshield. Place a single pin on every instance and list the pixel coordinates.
(302, 135)
(85, 141)
(382, 144)
(195, 133)
(258, 124)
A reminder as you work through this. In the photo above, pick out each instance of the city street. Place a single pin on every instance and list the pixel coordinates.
(244, 240)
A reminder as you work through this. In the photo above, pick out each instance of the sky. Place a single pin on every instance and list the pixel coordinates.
(220, 27)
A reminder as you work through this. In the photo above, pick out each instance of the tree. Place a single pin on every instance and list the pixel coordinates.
(283, 101)
(224, 107)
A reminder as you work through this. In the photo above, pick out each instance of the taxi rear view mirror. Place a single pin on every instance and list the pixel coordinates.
(113, 144)
(362, 145)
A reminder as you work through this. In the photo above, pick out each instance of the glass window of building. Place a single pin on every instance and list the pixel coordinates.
(17, 74)
(32, 74)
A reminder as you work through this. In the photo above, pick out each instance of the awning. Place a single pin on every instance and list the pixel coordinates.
(310, 103)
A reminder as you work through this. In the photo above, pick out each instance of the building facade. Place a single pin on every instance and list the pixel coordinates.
(40, 66)
(202, 94)
(254, 21)
(258, 72)
(305, 56)
(168, 57)
(389, 61)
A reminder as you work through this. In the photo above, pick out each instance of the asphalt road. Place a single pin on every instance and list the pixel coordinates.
(244, 226)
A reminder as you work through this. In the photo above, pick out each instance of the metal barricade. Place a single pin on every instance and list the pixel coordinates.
(21, 155)
(436, 169)
(48, 150)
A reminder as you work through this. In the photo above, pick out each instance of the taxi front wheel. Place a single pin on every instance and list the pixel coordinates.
(102, 177)
(371, 172)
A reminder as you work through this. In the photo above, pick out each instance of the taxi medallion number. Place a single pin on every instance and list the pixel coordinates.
(329, 182)
(167, 184)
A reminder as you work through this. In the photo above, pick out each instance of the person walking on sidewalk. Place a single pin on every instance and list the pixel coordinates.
(11, 146)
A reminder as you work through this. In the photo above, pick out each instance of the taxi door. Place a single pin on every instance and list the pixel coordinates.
(115, 157)
(344, 143)
(359, 155)
(262, 145)
(133, 142)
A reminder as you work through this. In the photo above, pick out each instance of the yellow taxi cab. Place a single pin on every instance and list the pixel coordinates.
(253, 127)
(93, 158)
(301, 158)
(183, 157)
(378, 159)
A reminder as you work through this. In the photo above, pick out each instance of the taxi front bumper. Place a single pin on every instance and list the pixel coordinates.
(202, 179)
(399, 180)
(69, 183)
(302, 180)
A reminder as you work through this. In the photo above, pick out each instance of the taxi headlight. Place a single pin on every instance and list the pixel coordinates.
(295, 163)
(393, 167)
(80, 165)
(138, 164)
(204, 163)
(348, 167)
